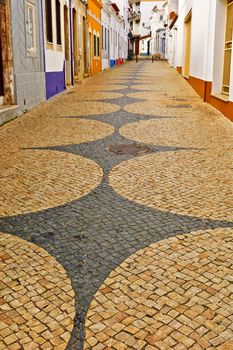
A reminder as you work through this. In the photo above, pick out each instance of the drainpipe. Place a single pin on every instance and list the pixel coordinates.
(43, 42)
(71, 43)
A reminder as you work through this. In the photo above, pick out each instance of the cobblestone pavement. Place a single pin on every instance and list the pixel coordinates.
(175, 294)
(37, 298)
(144, 233)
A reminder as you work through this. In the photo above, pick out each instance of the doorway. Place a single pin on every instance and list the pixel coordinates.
(90, 53)
(67, 46)
(84, 47)
(75, 43)
(148, 47)
(136, 47)
(187, 51)
(228, 49)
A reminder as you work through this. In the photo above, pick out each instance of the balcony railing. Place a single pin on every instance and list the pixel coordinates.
(135, 16)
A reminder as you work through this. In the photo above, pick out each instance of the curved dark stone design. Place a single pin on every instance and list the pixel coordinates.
(93, 235)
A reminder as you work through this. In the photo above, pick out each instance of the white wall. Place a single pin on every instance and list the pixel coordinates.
(124, 12)
(158, 31)
(207, 41)
(114, 28)
(202, 39)
(184, 6)
(118, 37)
(146, 8)
(105, 21)
(143, 46)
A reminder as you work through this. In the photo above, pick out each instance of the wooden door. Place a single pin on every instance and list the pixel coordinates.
(67, 46)
(187, 53)
(1, 72)
(75, 43)
(90, 53)
(228, 49)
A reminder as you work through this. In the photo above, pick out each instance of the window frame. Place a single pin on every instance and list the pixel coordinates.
(102, 37)
(105, 39)
(58, 29)
(227, 48)
(33, 49)
(98, 46)
(95, 45)
(51, 21)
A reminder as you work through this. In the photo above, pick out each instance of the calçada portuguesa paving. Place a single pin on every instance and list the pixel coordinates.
(116, 218)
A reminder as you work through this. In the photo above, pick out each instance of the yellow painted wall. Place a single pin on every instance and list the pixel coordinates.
(94, 10)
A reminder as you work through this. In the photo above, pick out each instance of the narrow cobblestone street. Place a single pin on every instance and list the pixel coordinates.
(116, 218)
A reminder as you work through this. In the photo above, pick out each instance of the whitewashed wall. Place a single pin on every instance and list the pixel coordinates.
(207, 41)
(105, 21)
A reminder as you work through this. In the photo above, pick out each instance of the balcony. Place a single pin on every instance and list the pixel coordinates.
(146, 25)
(136, 16)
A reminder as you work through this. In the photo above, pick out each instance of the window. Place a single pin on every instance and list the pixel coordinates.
(58, 21)
(228, 49)
(30, 28)
(98, 46)
(49, 27)
(95, 45)
(105, 39)
(102, 37)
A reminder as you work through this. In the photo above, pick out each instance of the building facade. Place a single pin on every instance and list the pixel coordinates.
(21, 58)
(158, 31)
(80, 39)
(202, 50)
(115, 31)
(146, 9)
(94, 37)
(116, 26)
(58, 45)
(141, 19)
(106, 15)
(47, 45)
(28, 53)
(134, 20)
(124, 8)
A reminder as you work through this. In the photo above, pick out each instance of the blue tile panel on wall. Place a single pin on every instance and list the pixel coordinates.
(112, 63)
(55, 83)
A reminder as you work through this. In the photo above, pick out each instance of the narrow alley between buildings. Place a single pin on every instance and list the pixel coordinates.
(116, 217)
